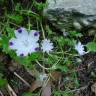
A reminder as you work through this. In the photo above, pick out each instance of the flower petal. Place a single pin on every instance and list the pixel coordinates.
(34, 35)
(22, 53)
(13, 43)
(21, 33)
(33, 47)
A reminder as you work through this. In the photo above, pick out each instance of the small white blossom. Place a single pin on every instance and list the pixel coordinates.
(80, 48)
(24, 42)
(65, 33)
(46, 45)
(43, 77)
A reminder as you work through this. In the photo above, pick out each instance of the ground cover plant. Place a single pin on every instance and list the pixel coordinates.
(38, 60)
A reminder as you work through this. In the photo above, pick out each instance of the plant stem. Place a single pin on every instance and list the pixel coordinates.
(11, 91)
(43, 33)
(42, 66)
(29, 25)
(22, 79)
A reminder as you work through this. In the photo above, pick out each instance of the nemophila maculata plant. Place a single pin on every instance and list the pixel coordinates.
(27, 39)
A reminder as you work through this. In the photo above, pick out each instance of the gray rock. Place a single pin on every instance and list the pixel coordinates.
(87, 7)
(63, 13)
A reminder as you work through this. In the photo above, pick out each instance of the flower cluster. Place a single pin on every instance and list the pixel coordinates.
(26, 42)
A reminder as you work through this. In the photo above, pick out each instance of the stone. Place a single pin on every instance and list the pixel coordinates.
(87, 7)
(63, 13)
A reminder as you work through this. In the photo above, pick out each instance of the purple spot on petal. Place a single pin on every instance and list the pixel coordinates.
(19, 30)
(21, 54)
(10, 43)
(36, 33)
(37, 49)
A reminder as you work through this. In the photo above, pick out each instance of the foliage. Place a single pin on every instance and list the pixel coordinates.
(3, 81)
(63, 54)
(91, 46)
(60, 93)
(27, 94)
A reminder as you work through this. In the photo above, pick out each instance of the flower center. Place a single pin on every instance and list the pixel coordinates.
(26, 43)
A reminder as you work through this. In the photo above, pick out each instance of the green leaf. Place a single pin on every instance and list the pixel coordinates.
(17, 7)
(10, 31)
(67, 94)
(65, 41)
(63, 68)
(15, 18)
(4, 43)
(35, 56)
(91, 46)
(62, 93)
(22, 60)
(40, 6)
(3, 82)
(27, 94)
(49, 30)
(75, 34)
(61, 41)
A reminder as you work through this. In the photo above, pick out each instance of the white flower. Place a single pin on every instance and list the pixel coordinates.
(43, 77)
(80, 48)
(25, 42)
(46, 45)
(65, 33)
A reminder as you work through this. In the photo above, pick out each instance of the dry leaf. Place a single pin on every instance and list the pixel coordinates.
(46, 90)
(35, 85)
(93, 88)
(56, 75)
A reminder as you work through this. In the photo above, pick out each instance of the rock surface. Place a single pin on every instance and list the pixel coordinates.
(63, 13)
(87, 7)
